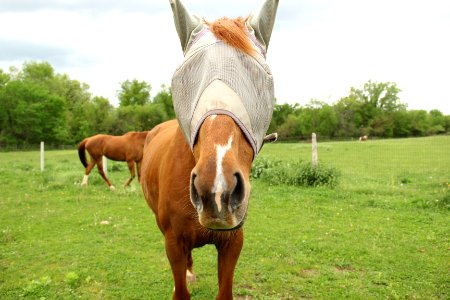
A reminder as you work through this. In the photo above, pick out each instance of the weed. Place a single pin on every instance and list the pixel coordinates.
(37, 288)
(263, 164)
(444, 202)
(72, 279)
(298, 173)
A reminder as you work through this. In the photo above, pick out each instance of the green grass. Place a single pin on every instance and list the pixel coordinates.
(382, 233)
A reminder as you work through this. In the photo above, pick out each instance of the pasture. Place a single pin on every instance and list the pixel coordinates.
(382, 233)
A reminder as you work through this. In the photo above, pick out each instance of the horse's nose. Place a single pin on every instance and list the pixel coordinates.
(218, 199)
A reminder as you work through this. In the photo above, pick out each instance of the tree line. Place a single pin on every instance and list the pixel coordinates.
(38, 104)
(374, 110)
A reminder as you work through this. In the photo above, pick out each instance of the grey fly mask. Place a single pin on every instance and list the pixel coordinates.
(216, 78)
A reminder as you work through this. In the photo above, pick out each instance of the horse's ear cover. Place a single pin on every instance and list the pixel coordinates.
(263, 21)
(185, 23)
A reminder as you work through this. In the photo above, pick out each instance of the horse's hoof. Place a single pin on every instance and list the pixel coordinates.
(112, 188)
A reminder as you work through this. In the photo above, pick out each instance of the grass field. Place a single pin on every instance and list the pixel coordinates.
(382, 233)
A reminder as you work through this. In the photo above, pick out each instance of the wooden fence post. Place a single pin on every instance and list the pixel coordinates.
(42, 157)
(314, 150)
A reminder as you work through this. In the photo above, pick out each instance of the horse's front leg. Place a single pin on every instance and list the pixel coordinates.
(138, 166)
(178, 259)
(228, 255)
(132, 174)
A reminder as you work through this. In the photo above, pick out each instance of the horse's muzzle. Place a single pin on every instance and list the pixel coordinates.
(220, 208)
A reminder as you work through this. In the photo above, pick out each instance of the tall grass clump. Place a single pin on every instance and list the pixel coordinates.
(444, 202)
(297, 173)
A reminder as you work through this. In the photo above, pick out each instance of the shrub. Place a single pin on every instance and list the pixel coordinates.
(262, 164)
(298, 173)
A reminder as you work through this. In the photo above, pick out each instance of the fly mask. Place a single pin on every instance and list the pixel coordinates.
(216, 78)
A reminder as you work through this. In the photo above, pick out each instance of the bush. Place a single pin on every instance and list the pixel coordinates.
(261, 164)
(298, 173)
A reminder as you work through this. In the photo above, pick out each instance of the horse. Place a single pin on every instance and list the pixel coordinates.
(128, 147)
(196, 169)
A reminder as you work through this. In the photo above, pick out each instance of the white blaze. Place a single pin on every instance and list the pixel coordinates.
(219, 182)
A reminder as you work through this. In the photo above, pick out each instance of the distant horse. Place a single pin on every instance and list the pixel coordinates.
(363, 138)
(128, 147)
(195, 170)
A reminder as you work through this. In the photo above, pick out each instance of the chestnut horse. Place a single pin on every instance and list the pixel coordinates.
(196, 170)
(127, 147)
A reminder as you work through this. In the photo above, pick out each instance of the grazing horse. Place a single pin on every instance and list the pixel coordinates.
(127, 147)
(196, 169)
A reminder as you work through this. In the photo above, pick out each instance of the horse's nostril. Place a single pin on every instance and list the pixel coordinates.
(195, 198)
(238, 193)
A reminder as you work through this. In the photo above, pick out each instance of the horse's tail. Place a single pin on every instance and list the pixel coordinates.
(82, 153)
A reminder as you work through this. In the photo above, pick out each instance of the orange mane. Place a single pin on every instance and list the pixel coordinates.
(233, 32)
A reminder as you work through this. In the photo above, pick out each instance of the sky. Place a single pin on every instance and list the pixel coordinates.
(318, 50)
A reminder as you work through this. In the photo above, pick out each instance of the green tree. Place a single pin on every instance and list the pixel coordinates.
(38, 72)
(376, 102)
(33, 114)
(280, 115)
(447, 123)
(382, 125)
(437, 122)
(4, 104)
(402, 123)
(78, 109)
(327, 121)
(317, 117)
(4, 78)
(348, 112)
(138, 118)
(38, 104)
(419, 122)
(290, 128)
(100, 115)
(134, 93)
(164, 97)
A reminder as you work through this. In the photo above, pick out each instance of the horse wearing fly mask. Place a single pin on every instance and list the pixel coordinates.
(196, 169)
